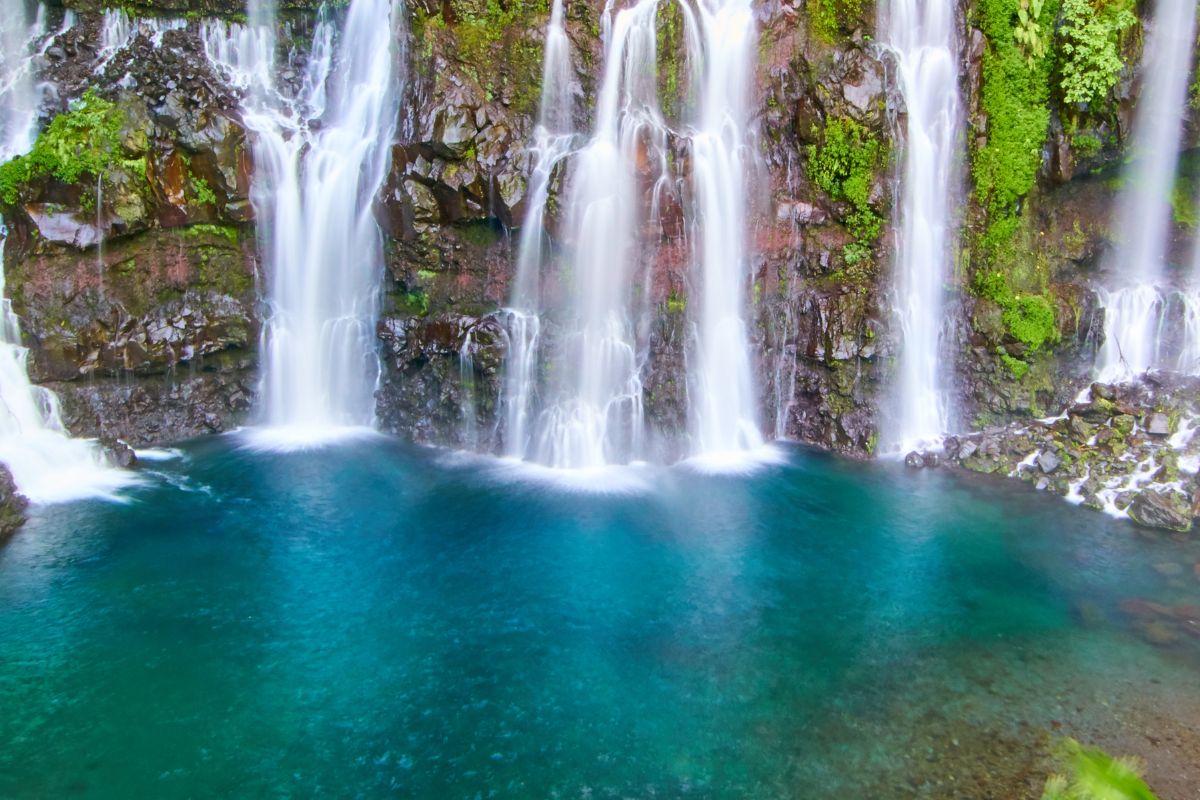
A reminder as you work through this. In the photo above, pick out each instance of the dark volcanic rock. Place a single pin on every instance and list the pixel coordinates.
(12, 505)
(157, 410)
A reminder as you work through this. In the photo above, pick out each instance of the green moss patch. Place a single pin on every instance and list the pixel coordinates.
(834, 20)
(844, 166)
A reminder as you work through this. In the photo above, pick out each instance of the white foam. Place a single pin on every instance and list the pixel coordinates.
(735, 462)
(159, 454)
(292, 438)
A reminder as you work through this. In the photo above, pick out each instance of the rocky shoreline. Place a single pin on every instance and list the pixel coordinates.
(1127, 450)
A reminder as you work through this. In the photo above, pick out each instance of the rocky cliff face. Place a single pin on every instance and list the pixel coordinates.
(135, 270)
(130, 256)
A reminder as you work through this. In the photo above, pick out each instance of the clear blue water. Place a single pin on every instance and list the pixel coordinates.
(379, 620)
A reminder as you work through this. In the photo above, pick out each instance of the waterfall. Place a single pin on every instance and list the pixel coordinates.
(593, 416)
(1189, 301)
(1134, 306)
(552, 142)
(321, 152)
(20, 97)
(46, 463)
(116, 31)
(723, 405)
(922, 40)
(466, 379)
(596, 418)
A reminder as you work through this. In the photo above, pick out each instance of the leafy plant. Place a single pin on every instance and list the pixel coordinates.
(204, 193)
(1029, 33)
(1090, 53)
(83, 141)
(1095, 775)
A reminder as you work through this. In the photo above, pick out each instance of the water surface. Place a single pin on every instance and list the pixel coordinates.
(380, 620)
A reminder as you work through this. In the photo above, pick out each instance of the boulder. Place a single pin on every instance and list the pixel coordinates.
(914, 460)
(64, 226)
(120, 454)
(1158, 424)
(1095, 412)
(1155, 509)
(1048, 461)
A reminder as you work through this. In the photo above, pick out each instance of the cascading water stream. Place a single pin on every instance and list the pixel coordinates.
(597, 417)
(723, 404)
(594, 417)
(1134, 305)
(46, 463)
(552, 142)
(922, 39)
(321, 155)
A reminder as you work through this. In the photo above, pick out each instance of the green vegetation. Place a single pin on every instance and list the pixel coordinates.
(1016, 366)
(82, 141)
(204, 193)
(1196, 90)
(833, 20)
(1090, 47)
(1087, 145)
(672, 83)
(226, 232)
(1029, 33)
(480, 233)
(1095, 775)
(487, 34)
(1015, 98)
(844, 167)
(1029, 317)
(1182, 206)
(415, 302)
